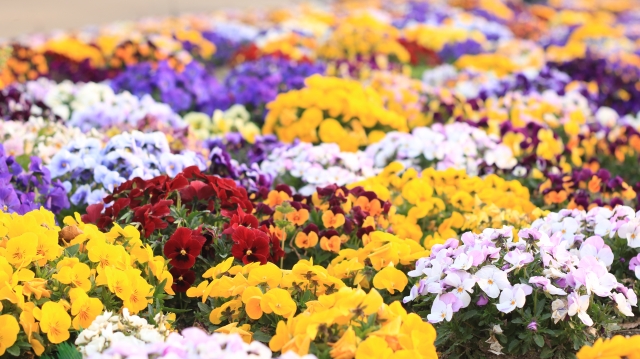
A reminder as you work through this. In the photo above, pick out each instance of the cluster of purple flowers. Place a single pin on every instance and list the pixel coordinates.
(243, 151)
(255, 83)
(452, 51)
(613, 79)
(547, 78)
(22, 190)
(192, 89)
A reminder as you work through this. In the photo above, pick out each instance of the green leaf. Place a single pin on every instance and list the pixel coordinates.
(71, 251)
(14, 350)
(539, 340)
(176, 310)
(468, 315)
(546, 353)
(204, 307)
(68, 351)
(261, 336)
(23, 161)
(514, 344)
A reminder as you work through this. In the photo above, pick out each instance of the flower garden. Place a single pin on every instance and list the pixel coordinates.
(354, 179)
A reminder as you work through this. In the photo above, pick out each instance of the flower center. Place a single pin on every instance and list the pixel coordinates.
(180, 278)
(249, 252)
(183, 252)
(5, 208)
(490, 281)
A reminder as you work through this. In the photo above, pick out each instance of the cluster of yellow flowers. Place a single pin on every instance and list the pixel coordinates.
(375, 262)
(402, 95)
(357, 325)
(598, 29)
(436, 37)
(332, 110)
(234, 119)
(58, 280)
(437, 205)
(509, 57)
(75, 50)
(363, 36)
(243, 294)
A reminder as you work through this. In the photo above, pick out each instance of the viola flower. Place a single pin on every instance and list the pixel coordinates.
(331, 220)
(510, 299)
(391, 279)
(330, 244)
(183, 248)
(151, 216)
(250, 245)
(182, 279)
(298, 217)
(462, 284)
(10, 330)
(579, 305)
(304, 240)
(492, 280)
(278, 301)
(55, 321)
(85, 310)
(440, 311)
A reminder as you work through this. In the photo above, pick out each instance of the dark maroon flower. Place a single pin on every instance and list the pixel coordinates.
(183, 247)
(182, 279)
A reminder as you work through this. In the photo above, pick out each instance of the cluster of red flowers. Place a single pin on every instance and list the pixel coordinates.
(220, 203)
(252, 242)
(182, 249)
(150, 199)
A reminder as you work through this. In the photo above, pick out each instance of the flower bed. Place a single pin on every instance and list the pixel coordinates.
(351, 180)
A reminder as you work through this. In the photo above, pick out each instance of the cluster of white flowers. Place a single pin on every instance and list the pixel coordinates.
(567, 266)
(318, 166)
(124, 330)
(96, 105)
(39, 137)
(456, 145)
(575, 225)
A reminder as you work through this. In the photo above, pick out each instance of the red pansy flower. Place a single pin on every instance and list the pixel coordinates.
(183, 247)
(250, 245)
(240, 218)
